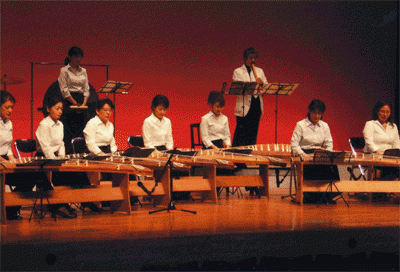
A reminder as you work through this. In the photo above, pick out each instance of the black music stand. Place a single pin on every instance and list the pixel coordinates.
(321, 155)
(171, 204)
(278, 89)
(243, 88)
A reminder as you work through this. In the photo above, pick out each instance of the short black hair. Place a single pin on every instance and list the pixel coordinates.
(6, 96)
(316, 105)
(52, 100)
(248, 51)
(73, 51)
(215, 97)
(160, 100)
(377, 108)
(100, 104)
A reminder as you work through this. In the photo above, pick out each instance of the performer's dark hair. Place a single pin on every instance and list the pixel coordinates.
(377, 108)
(6, 96)
(248, 51)
(215, 97)
(52, 100)
(100, 104)
(73, 51)
(160, 100)
(316, 105)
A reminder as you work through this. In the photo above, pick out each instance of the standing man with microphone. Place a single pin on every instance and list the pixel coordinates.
(248, 110)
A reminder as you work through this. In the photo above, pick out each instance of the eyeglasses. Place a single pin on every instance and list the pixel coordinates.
(384, 112)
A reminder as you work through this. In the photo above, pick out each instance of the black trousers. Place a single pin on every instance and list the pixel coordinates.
(74, 122)
(247, 127)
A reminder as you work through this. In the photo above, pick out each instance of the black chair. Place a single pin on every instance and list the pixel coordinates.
(79, 145)
(136, 140)
(25, 146)
(357, 145)
(195, 138)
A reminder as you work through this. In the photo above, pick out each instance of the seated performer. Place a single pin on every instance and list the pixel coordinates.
(309, 134)
(157, 129)
(214, 126)
(49, 143)
(23, 182)
(380, 134)
(99, 131)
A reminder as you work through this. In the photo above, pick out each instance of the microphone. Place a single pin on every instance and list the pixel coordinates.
(140, 184)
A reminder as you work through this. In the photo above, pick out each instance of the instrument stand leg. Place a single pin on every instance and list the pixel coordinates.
(292, 177)
(34, 209)
(171, 205)
(329, 189)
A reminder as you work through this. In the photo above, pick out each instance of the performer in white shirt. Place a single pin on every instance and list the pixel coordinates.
(309, 134)
(157, 129)
(49, 143)
(381, 134)
(50, 132)
(74, 86)
(99, 131)
(214, 126)
(249, 108)
(22, 182)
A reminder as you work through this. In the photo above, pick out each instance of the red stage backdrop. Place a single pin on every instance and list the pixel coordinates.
(343, 53)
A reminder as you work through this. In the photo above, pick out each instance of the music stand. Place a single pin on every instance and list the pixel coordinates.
(321, 155)
(171, 204)
(243, 88)
(115, 87)
(278, 89)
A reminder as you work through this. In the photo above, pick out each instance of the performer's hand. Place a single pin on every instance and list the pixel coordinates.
(101, 153)
(214, 147)
(379, 152)
(259, 81)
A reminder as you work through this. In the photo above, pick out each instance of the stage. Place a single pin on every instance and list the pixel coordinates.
(248, 233)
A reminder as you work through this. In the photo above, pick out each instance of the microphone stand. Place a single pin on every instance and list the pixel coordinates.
(171, 204)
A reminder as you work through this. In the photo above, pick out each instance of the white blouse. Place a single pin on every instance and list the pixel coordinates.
(99, 134)
(157, 132)
(73, 81)
(214, 128)
(6, 137)
(377, 138)
(49, 137)
(308, 136)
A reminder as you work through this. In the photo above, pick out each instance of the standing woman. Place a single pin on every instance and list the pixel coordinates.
(99, 131)
(310, 134)
(380, 134)
(157, 129)
(74, 87)
(214, 126)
